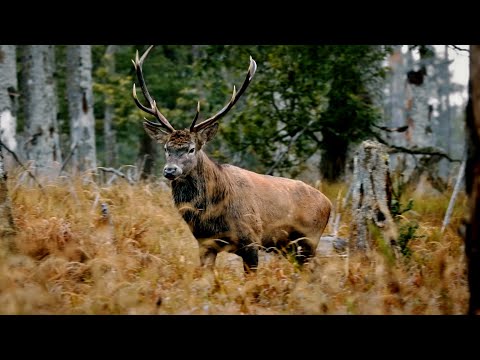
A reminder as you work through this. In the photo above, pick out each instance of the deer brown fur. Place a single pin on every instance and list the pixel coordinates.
(228, 208)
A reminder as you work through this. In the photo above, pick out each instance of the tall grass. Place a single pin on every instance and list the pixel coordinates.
(141, 258)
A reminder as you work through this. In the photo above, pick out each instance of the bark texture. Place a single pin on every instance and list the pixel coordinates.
(371, 195)
(42, 142)
(8, 95)
(6, 219)
(80, 106)
(108, 129)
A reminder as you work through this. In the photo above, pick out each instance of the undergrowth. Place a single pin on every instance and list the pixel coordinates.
(139, 257)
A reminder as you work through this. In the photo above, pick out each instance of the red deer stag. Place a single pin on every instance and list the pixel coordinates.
(228, 208)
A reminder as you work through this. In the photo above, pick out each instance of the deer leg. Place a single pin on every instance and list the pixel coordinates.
(302, 249)
(248, 251)
(207, 256)
(305, 251)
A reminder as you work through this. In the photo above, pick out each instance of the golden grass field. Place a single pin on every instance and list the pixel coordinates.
(142, 259)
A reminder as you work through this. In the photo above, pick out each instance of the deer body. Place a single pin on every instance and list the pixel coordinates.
(232, 209)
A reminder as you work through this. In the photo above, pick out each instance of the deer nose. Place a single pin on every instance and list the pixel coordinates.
(171, 172)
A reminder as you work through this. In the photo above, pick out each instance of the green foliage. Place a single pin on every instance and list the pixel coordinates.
(425, 51)
(165, 73)
(322, 91)
(396, 207)
(406, 231)
(397, 190)
(383, 245)
(115, 89)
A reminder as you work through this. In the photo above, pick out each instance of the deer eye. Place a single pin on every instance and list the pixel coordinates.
(191, 151)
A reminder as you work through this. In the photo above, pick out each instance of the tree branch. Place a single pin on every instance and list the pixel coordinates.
(290, 144)
(397, 129)
(455, 47)
(116, 172)
(68, 158)
(277, 110)
(21, 164)
(415, 150)
(456, 189)
(427, 150)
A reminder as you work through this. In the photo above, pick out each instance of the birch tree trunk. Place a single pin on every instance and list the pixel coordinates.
(80, 106)
(395, 109)
(371, 195)
(472, 181)
(445, 128)
(8, 94)
(418, 96)
(42, 144)
(108, 131)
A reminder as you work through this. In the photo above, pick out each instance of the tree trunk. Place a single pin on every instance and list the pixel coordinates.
(6, 220)
(419, 97)
(419, 118)
(472, 181)
(334, 157)
(395, 105)
(8, 95)
(80, 106)
(445, 128)
(371, 195)
(108, 131)
(447, 108)
(147, 156)
(42, 144)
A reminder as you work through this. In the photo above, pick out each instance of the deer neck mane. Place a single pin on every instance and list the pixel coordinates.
(203, 186)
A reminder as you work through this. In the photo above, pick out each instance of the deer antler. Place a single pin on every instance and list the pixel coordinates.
(152, 110)
(235, 96)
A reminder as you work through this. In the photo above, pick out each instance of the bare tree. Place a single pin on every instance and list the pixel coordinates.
(80, 106)
(42, 140)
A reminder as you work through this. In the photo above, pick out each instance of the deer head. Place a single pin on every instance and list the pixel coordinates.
(182, 146)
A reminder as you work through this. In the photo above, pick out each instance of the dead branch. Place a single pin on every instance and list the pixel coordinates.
(72, 150)
(396, 129)
(415, 150)
(116, 172)
(455, 47)
(456, 189)
(21, 164)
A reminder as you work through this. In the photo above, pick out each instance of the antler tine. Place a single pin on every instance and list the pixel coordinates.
(152, 110)
(196, 117)
(235, 96)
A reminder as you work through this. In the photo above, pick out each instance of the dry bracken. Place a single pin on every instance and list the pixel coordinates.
(144, 260)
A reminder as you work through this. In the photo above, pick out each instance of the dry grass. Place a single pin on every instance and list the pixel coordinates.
(143, 260)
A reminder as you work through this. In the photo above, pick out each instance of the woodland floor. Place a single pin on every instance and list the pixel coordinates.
(142, 259)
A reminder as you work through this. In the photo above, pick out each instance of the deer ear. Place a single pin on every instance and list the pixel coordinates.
(208, 133)
(155, 133)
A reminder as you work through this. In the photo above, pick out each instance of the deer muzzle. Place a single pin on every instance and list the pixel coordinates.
(171, 172)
